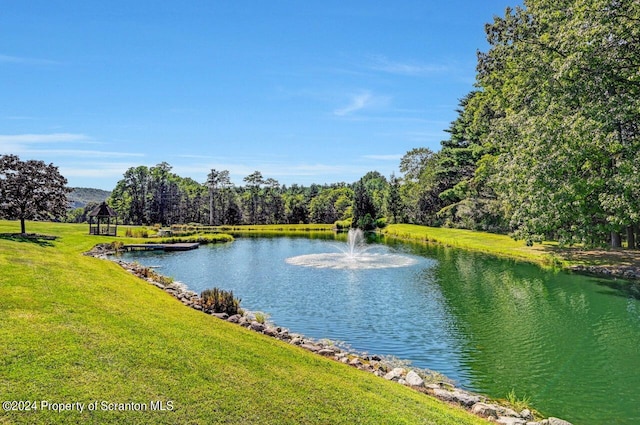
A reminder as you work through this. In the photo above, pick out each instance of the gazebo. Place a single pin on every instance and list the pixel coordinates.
(103, 220)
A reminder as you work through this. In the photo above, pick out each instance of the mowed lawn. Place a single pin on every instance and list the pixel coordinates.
(546, 254)
(75, 329)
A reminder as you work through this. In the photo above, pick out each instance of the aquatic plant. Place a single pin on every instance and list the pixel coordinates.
(261, 317)
(220, 301)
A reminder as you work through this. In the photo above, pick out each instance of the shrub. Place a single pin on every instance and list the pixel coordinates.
(381, 223)
(343, 224)
(261, 317)
(220, 301)
(366, 222)
(136, 232)
(518, 403)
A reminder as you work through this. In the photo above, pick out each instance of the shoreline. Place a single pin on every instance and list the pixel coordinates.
(612, 264)
(428, 382)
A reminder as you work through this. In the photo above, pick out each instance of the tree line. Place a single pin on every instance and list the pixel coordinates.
(553, 130)
(156, 195)
(545, 147)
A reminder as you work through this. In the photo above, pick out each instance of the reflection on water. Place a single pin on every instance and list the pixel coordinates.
(569, 343)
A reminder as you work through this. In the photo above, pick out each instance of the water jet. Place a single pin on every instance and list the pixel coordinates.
(354, 255)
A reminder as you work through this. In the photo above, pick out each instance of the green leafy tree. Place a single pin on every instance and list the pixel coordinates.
(331, 204)
(295, 205)
(566, 76)
(31, 190)
(420, 189)
(131, 196)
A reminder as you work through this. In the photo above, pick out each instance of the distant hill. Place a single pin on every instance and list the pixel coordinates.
(81, 196)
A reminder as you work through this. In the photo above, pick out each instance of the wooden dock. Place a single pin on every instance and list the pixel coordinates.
(161, 246)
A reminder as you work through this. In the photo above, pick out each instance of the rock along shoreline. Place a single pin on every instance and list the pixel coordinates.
(425, 381)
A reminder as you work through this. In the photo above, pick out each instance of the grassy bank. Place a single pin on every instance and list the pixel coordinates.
(490, 243)
(80, 329)
(547, 254)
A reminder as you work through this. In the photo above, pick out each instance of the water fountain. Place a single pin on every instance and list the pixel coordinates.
(355, 242)
(355, 255)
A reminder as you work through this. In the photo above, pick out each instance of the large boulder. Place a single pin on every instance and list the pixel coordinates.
(457, 396)
(395, 374)
(270, 331)
(509, 420)
(556, 421)
(526, 414)
(257, 326)
(310, 347)
(413, 379)
(485, 410)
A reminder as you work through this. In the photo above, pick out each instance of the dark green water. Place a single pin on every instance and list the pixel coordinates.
(569, 343)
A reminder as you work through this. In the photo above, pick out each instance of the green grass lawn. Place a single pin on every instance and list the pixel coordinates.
(78, 329)
(546, 254)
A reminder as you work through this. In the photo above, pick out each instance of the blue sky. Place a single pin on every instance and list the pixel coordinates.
(305, 92)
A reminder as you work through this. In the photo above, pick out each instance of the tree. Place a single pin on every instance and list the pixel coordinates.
(567, 75)
(163, 190)
(31, 190)
(393, 201)
(252, 198)
(295, 206)
(463, 169)
(273, 204)
(419, 191)
(131, 196)
(330, 205)
(364, 210)
(217, 182)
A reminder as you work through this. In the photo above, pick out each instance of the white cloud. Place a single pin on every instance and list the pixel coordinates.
(392, 157)
(382, 63)
(101, 170)
(25, 60)
(80, 153)
(47, 146)
(42, 138)
(360, 101)
(17, 117)
(10, 59)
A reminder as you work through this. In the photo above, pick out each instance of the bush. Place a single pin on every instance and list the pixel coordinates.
(136, 232)
(261, 317)
(220, 301)
(366, 222)
(381, 223)
(343, 224)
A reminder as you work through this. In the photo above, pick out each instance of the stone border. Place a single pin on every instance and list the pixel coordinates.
(427, 382)
(622, 272)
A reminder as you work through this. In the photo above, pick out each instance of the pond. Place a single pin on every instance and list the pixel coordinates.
(569, 343)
